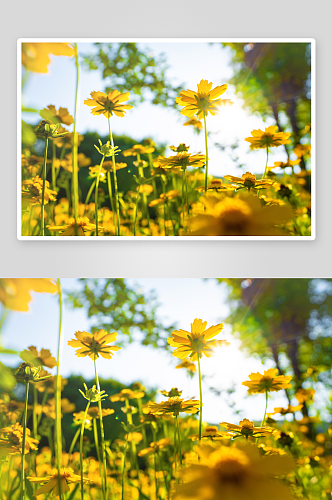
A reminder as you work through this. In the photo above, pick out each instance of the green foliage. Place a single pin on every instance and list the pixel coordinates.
(287, 320)
(274, 80)
(115, 306)
(129, 69)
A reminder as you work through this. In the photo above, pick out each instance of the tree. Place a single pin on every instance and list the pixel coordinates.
(127, 68)
(274, 80)
(287, 320)
(115, 306)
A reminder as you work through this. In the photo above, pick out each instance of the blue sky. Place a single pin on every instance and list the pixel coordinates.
(181, 301)
(188, 64)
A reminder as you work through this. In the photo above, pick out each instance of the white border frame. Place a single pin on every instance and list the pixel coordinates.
(312, 41)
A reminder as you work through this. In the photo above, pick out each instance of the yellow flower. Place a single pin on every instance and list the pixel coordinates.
(49, 408)
(67, 476)
(249, 181)
(15, 292)
(246, 428)
(211, 432)
(127, 394)
(165, 198)
(285, 411)
(303, 395)
(285, 164)
(203, 101)
(217, 185)
(94, 344)
(189, 365)
(42, 358)
(194, 122)
(175, 406)
(240, 473)
(60, 116)
(35, 56)
(12, 440)
(240, 216)
(302, 150)
(196, 342)
(83, 225)
(93, 412)
(268, 382)
(108, 166)
(155, 447)
(267, 139)
(182, 160)
(144, 189)
(32, 191)
(49, 384)
(138, 149)
(108, 104)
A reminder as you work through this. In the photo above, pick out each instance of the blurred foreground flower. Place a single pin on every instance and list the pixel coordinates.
(241, 216)
(35, 56)
(15, 292)
(234, 474)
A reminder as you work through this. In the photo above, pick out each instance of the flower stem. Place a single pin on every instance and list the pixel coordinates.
(183, 183)
(267, 159)
(175, 459)
(115, 179)
(42, 222)
(101, 433)
(75, 146)
(58, 393)
(164, 192)
(96, 193)
(135, 213)
(74, 441)
(179, 438)
(187, 193)
(23, 440)
(206, 154)
(109, 183)
(266, 398)
(123, 468)
(95, 435)
(81, 449)
(89, 194)
(200, 398)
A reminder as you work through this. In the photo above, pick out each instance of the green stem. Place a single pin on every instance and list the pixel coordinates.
(266, 398)
(123, 468)
(140, 412)
(42, 406)
(89, 194)
(164, 192)
(109, 183)
(187, 193)
(135, 213)
(81, 449)
(200, 398)
(95, 435)
(43, 190)
(179, 438)
(96, 193)
(74, 441)
(183, 183)
(75, 146)
(267, 159)
(115, 179)
(206, 154)
(23, 441)
(101, 433)
(175, 458)
(58, 393)
(53, 165)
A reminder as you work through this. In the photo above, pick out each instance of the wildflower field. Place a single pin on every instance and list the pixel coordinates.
(74, 438)
(108, 184)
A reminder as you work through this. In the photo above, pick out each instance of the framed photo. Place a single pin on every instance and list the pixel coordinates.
(166, 139)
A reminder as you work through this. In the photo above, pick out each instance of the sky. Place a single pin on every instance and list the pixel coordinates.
(188, 64)
(181, 301)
